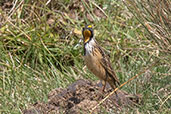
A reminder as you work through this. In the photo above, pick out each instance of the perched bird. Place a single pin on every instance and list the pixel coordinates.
(96, 60)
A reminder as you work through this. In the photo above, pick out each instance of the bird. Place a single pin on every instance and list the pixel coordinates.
(96, 60)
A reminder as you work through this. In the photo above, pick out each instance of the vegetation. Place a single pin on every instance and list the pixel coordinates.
(40, 49)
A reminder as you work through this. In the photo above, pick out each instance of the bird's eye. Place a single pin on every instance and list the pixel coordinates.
(89, 26)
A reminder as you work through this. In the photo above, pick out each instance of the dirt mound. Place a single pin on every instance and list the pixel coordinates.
(81, 97)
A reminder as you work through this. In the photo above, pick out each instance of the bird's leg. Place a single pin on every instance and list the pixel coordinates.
(104, 86)
(104, 83)
(114, 87)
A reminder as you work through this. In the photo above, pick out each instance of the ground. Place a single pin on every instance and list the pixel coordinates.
(81, 97)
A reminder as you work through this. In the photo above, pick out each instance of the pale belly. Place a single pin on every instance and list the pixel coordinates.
(94, 66)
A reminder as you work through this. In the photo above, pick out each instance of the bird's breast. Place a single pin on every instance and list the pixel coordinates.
(93, 63)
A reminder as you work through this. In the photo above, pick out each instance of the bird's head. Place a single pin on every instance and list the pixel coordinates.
(87, 33)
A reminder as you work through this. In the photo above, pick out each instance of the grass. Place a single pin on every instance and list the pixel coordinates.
(39, 53)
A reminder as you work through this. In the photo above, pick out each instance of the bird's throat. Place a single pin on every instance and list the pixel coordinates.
(86, 39)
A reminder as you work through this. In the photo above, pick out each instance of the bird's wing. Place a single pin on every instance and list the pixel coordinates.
(105, 62)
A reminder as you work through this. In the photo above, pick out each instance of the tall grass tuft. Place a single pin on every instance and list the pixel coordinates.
(154, 15)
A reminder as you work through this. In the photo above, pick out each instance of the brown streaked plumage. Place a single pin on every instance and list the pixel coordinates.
(96, 60)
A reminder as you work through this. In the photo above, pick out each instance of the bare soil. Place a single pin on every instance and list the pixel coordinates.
(81, 97)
